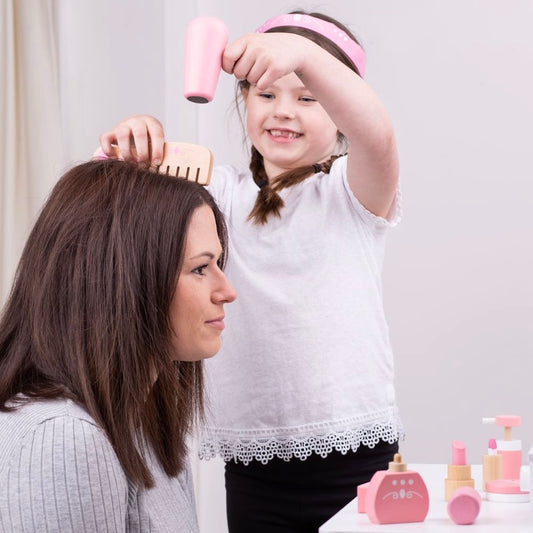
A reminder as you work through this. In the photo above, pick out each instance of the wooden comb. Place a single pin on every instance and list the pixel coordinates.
(192, 162)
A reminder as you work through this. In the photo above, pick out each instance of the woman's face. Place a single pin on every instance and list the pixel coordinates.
(197, 307)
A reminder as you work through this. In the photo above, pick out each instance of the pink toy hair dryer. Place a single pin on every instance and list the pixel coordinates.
(205, 41)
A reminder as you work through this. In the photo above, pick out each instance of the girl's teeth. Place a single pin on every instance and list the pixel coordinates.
(288, 134)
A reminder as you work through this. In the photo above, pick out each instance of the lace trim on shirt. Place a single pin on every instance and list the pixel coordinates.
(265, 449)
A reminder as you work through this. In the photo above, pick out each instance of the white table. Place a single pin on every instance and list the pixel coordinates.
(494, 517)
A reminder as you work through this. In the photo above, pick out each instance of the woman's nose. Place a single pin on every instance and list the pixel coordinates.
(225, 293)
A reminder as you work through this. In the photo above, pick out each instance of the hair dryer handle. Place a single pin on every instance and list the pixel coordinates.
(205, 41)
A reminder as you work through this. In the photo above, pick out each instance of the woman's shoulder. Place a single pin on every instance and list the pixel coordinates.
(49, 420)
(61, 462)
(31, 411)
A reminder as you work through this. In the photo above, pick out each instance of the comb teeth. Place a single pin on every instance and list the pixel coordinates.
(191, 162)
(187, 161)
(184, 172)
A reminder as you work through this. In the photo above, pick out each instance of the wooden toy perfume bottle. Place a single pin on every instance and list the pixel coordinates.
(394, 496)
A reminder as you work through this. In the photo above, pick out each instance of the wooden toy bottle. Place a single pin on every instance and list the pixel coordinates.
(395, 495)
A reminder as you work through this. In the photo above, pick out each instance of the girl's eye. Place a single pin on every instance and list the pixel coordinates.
(200, 270)
(307, 99)
(268, 96)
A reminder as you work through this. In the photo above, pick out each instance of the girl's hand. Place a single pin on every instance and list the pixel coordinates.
(262, 58)
(139, 138)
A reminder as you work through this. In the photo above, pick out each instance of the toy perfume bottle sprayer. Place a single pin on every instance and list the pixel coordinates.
(394, 496)
(507, 488)
(205, 41)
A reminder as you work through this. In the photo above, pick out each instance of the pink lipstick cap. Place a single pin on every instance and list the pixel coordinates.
(458, 453)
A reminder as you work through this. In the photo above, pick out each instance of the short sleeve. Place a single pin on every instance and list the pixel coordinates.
(65, 476)
(395, 213)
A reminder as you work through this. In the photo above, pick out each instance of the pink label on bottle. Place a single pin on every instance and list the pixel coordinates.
(511, 463)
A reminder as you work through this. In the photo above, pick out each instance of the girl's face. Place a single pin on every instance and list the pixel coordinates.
(288, 126)
(197, 307)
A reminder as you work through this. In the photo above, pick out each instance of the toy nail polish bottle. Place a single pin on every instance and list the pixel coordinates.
(394, 496)
(510, 449)
(459, 473)
(205, 41)
(492, 464)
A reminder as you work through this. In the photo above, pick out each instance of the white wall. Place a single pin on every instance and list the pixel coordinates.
(457, 79)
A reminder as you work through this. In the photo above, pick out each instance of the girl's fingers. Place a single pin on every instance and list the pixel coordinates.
(106, 141)
(156, 139)
(139, 138)
(232, 53)
(256, 73)
(125, 141)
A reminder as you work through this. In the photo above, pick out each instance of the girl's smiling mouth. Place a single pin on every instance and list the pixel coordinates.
(283, 135)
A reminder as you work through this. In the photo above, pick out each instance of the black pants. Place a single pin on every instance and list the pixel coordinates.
(298, 496)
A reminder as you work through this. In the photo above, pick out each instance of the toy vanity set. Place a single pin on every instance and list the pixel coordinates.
(399, 495)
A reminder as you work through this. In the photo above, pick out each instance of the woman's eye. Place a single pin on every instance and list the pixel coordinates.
(268, 96)
(200, 270)
(307, 99)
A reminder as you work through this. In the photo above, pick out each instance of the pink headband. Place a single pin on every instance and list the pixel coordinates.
(324, 28)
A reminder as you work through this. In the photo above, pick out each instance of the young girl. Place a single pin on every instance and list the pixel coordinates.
(302, 401)
(101, 344)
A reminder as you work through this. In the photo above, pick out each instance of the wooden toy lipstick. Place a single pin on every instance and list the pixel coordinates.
(459, 473)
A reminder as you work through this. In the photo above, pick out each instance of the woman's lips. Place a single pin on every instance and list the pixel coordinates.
(217, 323)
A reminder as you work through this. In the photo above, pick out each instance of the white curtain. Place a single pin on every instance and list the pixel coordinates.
(30, 140)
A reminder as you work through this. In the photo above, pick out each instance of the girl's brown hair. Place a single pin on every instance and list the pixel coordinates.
(88, 314)
(268, 200)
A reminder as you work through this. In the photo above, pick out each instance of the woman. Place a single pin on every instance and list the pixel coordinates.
(118, 296)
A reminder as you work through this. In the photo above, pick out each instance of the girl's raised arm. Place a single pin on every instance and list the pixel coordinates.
(359, 114)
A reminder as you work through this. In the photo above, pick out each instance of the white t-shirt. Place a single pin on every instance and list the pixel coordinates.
(306, 363)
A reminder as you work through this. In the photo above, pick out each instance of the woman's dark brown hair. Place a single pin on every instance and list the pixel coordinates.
(88, 314)
(268, 200)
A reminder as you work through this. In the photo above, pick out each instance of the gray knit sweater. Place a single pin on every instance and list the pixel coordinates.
(59, 472)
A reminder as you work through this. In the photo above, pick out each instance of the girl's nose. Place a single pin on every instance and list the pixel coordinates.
(283, 109)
